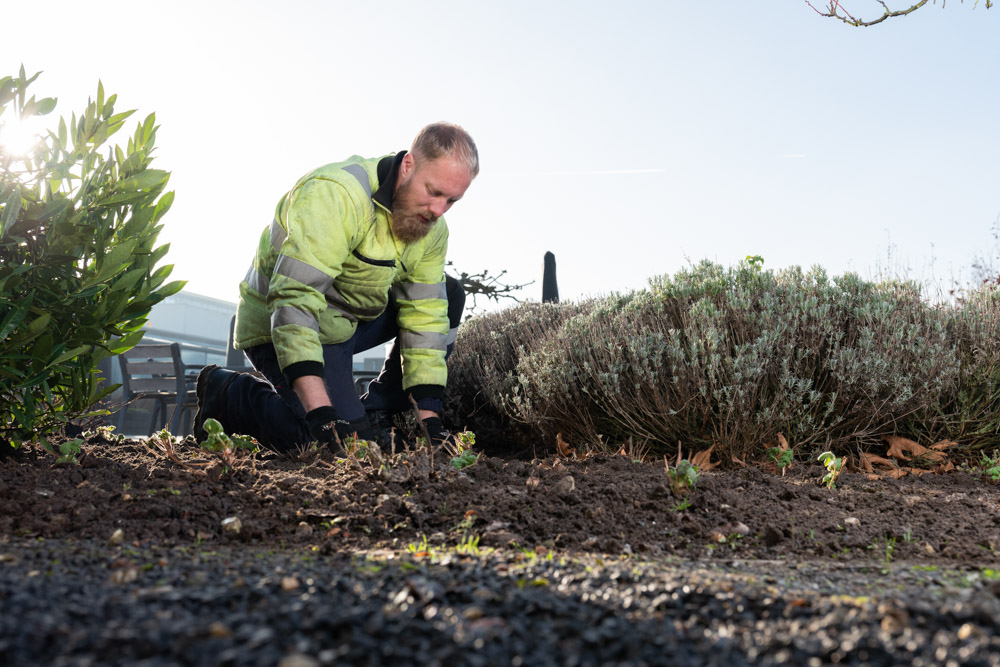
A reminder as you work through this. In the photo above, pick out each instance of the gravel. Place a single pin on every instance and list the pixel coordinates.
(91, 603)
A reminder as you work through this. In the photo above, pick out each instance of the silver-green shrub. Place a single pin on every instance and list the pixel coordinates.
(732, 356)
(971, 413)
(481, 369)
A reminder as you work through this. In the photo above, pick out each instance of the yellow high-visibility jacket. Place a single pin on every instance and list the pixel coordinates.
(329, 260)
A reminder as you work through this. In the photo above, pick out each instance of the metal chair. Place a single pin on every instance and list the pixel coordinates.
(155, 371)
(361, 380)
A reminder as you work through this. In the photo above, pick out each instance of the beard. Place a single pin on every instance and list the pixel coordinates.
(408, 224)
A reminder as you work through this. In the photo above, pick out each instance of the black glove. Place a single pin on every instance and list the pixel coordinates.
(436, 430)
(326, 427)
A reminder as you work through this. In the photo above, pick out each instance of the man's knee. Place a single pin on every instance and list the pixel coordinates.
(456, 300)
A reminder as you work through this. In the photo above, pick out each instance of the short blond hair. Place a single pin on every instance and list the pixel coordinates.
(440, 139)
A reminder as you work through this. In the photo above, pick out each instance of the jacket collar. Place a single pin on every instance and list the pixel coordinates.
(387, 172)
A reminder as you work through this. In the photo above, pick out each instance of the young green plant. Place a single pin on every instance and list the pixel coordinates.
(781, 457)
(224, 445)
(460, 447)
(683, 477)
(834, 465)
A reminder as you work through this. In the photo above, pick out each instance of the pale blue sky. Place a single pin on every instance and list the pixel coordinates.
(626, 137)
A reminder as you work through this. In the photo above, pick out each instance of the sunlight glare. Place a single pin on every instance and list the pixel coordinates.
(18, 138)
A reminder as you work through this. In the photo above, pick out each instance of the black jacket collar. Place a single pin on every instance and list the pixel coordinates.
(388, 172)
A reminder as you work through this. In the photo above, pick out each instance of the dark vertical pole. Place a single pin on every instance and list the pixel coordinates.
(550, 289)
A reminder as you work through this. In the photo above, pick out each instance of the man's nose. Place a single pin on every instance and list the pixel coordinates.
(438, 207)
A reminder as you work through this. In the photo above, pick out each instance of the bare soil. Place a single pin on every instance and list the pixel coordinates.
(866, 537)
(603, 504)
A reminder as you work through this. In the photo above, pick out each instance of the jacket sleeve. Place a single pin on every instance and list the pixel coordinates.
(321, 220)
(423, 322)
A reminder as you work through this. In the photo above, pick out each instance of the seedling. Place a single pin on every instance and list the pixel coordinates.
(226, 446)
(68, 450)
(990, 468)
(355, 447)
(683, 477)
(781, 457)
(834, 465)
(419, 549)
(681, 505)
(468, 546)
(460, 446)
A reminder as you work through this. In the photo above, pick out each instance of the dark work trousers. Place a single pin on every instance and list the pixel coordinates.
(271, 411)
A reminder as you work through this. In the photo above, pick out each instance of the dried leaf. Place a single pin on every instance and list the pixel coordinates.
(896, 473)
(740, 461)
(564, 449)
(944, 444)
(944, 467)
(782, 443)
(868, 460)
(703, 460)
(899, 446)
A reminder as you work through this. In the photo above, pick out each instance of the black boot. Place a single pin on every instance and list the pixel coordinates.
(211, 389)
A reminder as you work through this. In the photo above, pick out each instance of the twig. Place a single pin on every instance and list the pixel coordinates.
(423, 427)
(835, 7)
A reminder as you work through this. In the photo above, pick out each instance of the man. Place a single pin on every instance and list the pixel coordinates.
(355, 257)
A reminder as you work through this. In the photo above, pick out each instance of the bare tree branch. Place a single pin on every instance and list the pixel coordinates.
(836, 11)
(487, 285)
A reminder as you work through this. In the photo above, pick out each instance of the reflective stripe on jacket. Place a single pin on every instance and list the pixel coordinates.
(328, 260)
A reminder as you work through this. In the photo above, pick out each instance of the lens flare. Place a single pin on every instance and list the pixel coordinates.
(19, 137)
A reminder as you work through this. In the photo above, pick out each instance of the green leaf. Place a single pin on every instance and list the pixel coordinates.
(126, 342)
(69, 354)
(45, 106)
(6, 90)
(10, 211)
(145, 180)
(171, 288)
(14, 318)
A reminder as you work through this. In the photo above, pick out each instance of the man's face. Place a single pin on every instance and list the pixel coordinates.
(424, 192)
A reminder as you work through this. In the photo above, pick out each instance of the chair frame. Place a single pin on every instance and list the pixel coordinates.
(155, 371)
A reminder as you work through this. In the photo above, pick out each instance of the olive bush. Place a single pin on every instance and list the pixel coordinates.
(78, 257)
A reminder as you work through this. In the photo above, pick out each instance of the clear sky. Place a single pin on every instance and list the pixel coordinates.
(627, 137)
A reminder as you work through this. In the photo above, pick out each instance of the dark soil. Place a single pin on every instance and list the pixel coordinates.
(548, 561)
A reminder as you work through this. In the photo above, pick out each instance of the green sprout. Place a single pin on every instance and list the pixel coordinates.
(990, 468)
(834, 465)
(68, 451)
(460, 446)
(781, 457)
(683, 477)
(224, 445)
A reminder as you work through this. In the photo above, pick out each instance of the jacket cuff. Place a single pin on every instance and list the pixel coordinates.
(422, 391)
(303, 368)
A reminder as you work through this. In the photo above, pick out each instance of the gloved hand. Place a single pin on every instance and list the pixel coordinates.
(436, 430)
(329, 429)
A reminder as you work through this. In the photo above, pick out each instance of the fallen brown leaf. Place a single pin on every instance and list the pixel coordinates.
(782, 443)
(564, 449)
(899, 446)
(867, 461)
(703, 460)
(944, 444)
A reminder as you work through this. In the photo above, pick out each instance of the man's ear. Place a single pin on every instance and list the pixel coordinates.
(406, 166)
